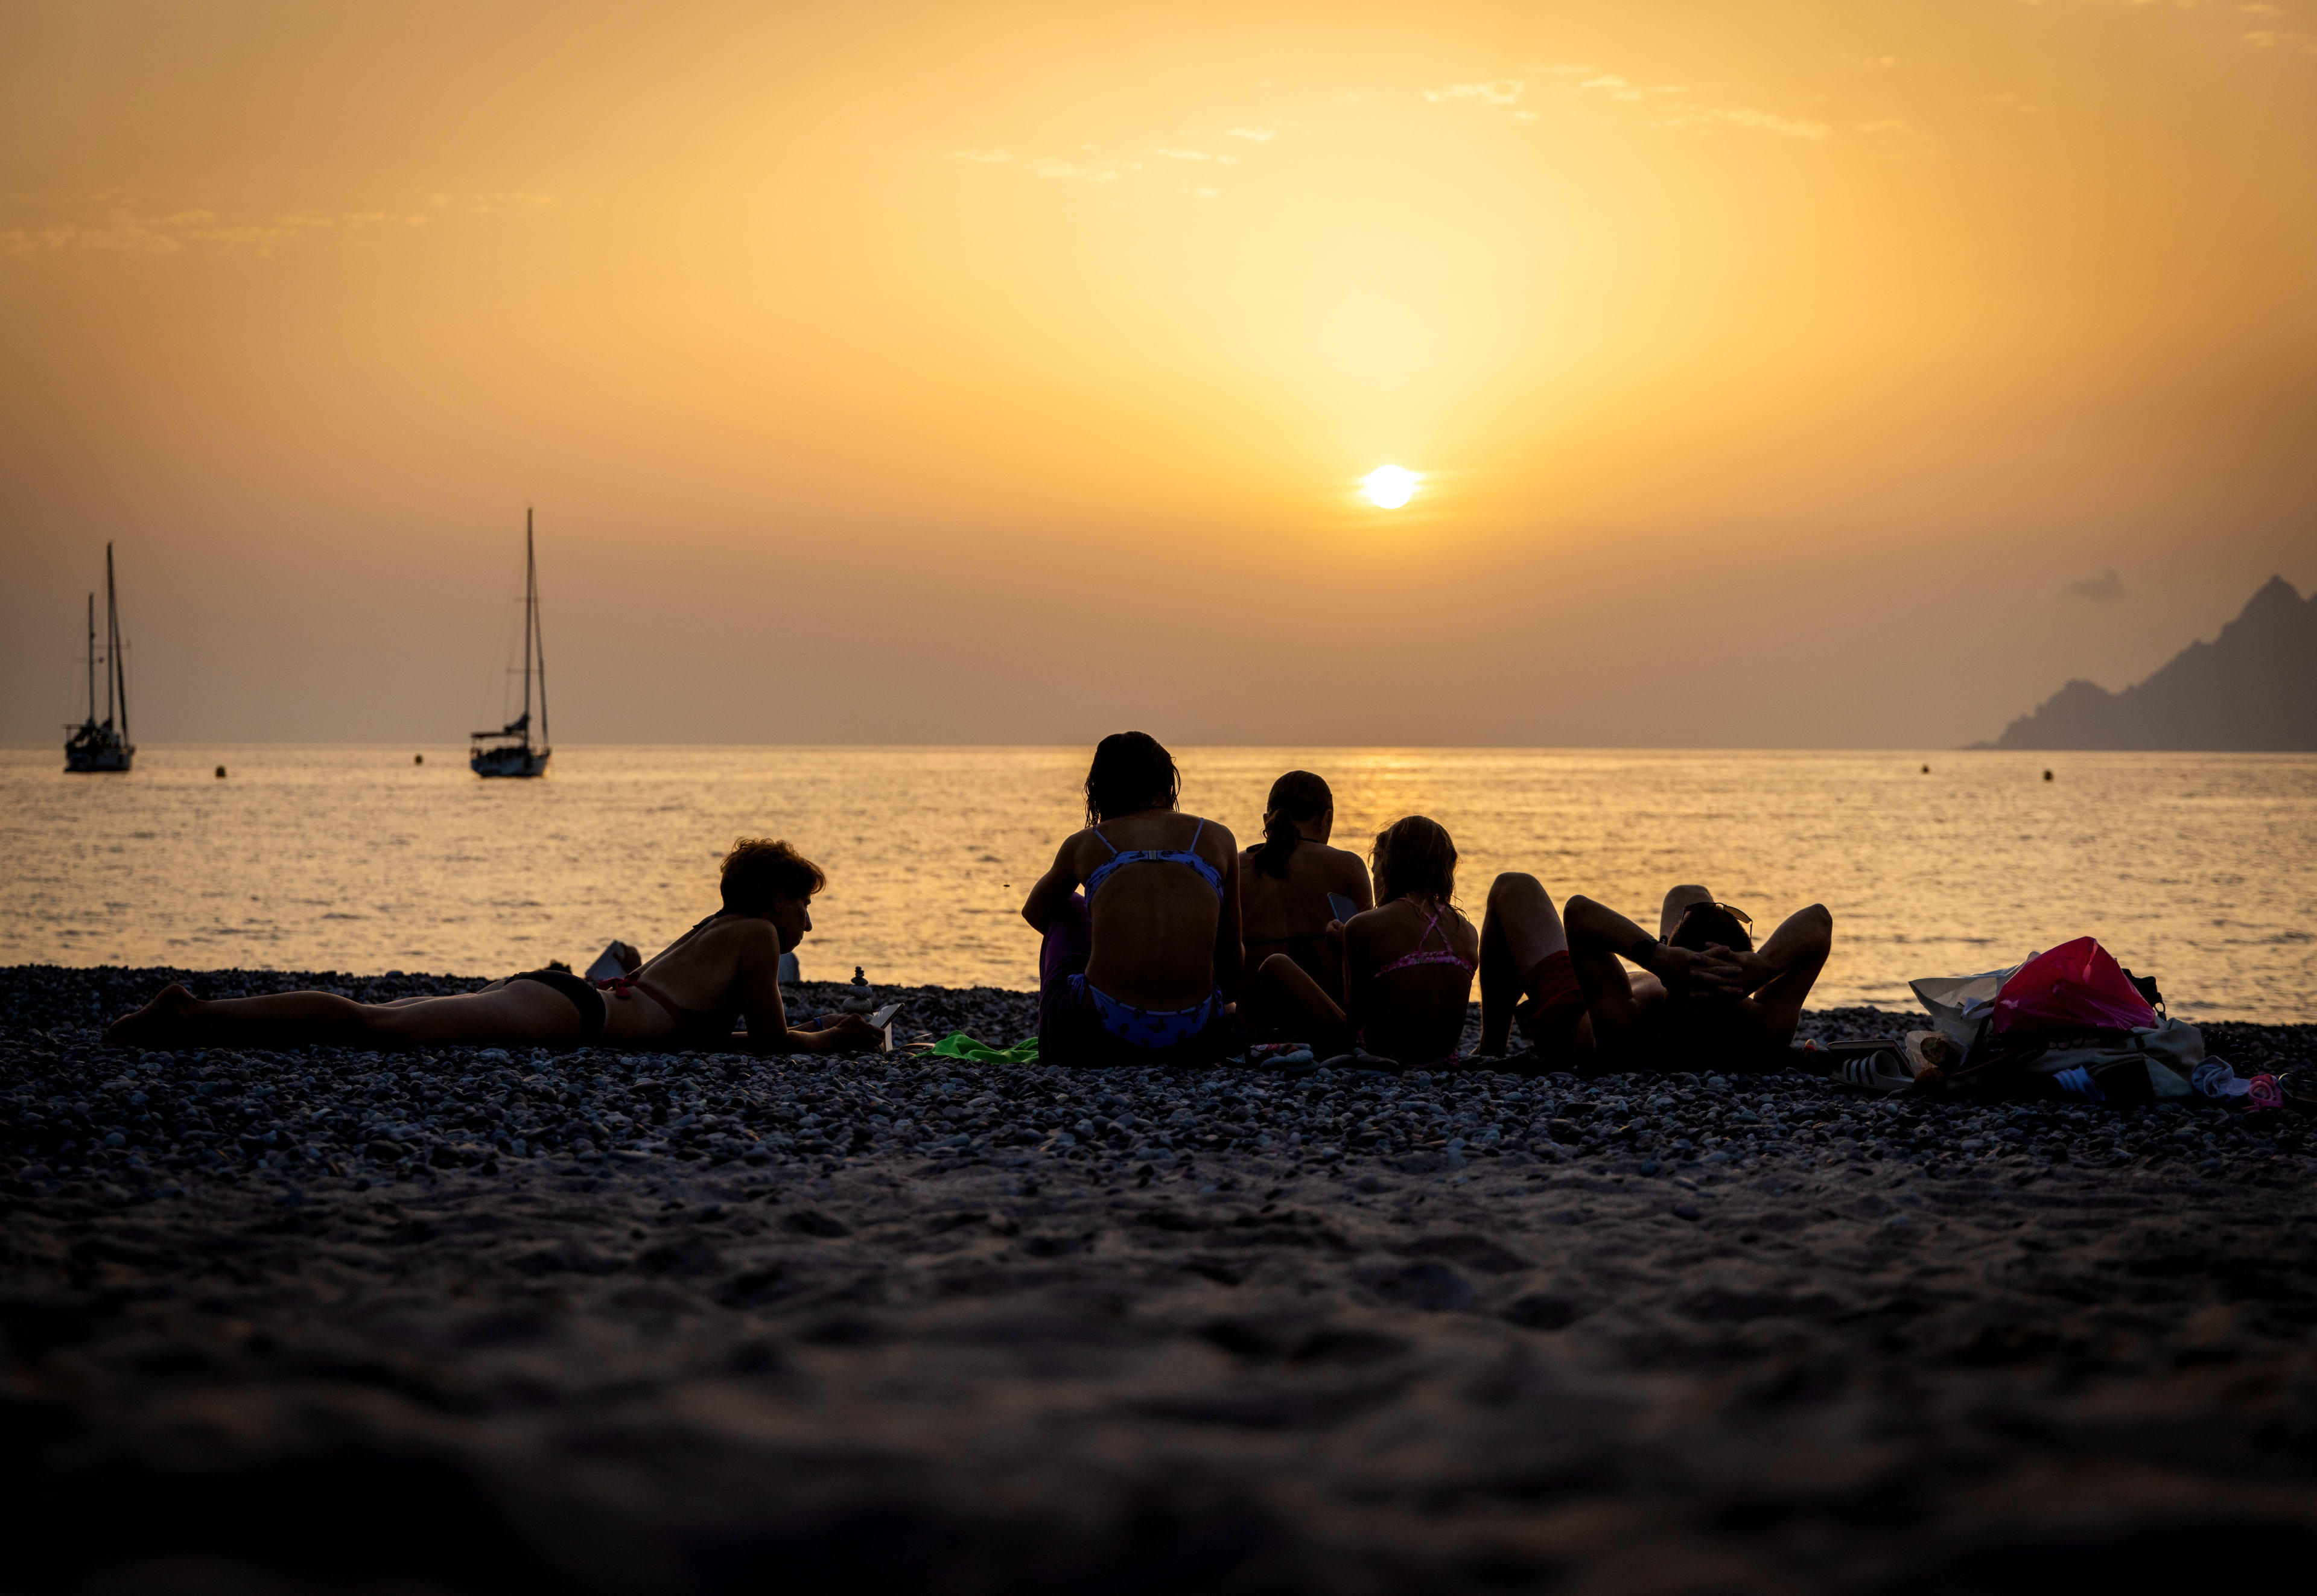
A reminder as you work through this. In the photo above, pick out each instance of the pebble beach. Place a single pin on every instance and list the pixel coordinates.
(475, 1320)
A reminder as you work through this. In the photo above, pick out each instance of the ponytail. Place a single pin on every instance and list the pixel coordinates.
(1296, 797)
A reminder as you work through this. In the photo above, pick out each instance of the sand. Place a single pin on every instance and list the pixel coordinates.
(818, 1325)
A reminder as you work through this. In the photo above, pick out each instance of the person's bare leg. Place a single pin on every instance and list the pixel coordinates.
(1677, 904)
(175, 1015)
(1597, 934)
(517, 1012)
(1332, 1033)
(1519, 932)
(1801, 945)
(512, 1015)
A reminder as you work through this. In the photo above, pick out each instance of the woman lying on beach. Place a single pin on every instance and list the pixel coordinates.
(726, 966)
(1407, 962)
(1285, 883)
(1706, 999)
(1134, 968)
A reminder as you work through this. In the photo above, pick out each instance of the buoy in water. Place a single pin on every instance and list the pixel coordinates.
(418, 758)
(2047, 775)
(221, 775)
(1926, 770)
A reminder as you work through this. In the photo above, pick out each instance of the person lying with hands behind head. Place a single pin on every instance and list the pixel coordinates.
(687, 996)
(1707, 998)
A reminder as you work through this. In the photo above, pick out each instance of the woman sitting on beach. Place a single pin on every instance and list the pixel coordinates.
(726, 966)
(1407, 961)
(1134, 968)
(1287, 881)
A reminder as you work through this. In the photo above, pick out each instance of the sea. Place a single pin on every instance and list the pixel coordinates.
(2198, 869)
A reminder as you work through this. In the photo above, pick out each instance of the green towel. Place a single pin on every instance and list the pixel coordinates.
(957, 1044)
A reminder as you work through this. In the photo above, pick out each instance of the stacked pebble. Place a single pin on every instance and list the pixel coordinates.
(141, 1122)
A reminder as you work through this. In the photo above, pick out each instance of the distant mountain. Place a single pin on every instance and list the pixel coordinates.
(2253, 687)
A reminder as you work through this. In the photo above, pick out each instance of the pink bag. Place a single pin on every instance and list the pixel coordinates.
(2077, 986)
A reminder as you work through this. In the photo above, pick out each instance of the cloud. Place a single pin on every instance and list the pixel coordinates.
(129, 226)
(1745, 116)
(2284, 38)
(1074, 172)
(1673, 107)
(2101, 589)
(1495, 91)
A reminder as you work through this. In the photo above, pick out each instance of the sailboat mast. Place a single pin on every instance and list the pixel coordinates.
(539, 632)
(529, 588)
(111, 638)
(112, 624)
(92, 658)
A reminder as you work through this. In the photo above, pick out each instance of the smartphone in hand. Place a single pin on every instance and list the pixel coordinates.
(1341, 907)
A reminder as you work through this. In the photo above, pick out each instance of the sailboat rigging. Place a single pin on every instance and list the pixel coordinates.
(100, 745)
(509, 751)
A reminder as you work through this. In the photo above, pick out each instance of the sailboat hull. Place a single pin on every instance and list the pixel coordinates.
(88, 761)
(510, 762)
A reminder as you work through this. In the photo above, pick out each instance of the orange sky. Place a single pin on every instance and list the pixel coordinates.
(1005, 371)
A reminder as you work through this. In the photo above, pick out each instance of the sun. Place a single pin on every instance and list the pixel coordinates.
(1391, 486)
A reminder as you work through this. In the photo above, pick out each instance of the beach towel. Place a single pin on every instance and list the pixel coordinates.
(957, 1044)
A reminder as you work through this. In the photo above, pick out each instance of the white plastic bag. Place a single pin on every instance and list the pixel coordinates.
(1959, 1004)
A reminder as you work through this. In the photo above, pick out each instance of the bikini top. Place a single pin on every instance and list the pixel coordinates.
(1153, 856)
(1432, 955)
(695, 1027)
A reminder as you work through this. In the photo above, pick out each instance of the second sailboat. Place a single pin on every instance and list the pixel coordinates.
(510, 750)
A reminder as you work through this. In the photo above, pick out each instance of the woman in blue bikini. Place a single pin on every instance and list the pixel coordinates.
(1407, 962)
(1135, 968)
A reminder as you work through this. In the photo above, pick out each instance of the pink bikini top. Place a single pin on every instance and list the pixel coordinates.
(1432, 955)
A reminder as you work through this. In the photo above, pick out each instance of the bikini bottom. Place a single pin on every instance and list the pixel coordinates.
(1152, 1029)
(585, 998)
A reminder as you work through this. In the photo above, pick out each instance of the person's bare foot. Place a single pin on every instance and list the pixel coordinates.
(171, 1007)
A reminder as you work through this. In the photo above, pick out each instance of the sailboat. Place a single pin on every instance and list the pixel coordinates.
(100, 745)
(509, 751)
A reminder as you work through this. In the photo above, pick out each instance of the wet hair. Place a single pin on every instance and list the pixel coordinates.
(1295, 797)
(1413, 858)
(760, 869)
(1703, 925)
(1131, 771)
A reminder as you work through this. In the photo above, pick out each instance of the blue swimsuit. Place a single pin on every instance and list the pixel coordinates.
(1151, 1028)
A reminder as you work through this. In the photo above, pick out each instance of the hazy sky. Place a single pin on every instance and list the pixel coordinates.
(1785, 373)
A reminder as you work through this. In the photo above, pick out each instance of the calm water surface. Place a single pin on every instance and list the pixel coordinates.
(2200, 869)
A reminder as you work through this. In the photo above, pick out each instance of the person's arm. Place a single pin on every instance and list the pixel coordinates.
(1798, 946)
(1357, 943)
(769, 1031)
(1595, 929)
(1054, 888)
(1231, 941)
(1355, 882)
